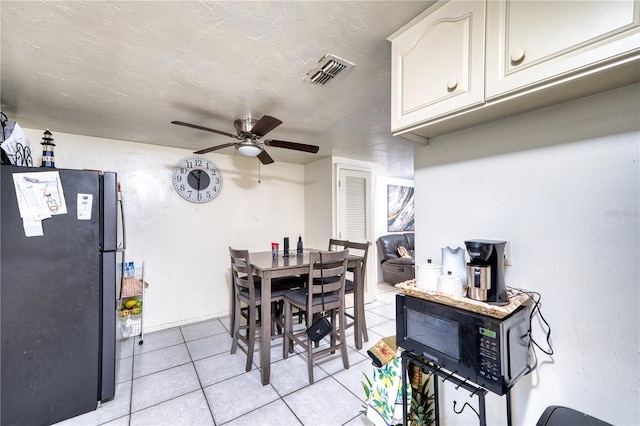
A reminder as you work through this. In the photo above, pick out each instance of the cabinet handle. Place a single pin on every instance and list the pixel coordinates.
(452, 84)
(517, 56)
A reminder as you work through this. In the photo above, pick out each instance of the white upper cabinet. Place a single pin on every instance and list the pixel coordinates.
(464, 63)
(530, 43)
(437, 63)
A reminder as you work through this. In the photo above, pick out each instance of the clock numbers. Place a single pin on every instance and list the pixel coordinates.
(197, 180)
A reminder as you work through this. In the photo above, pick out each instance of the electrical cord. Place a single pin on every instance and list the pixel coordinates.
(536, 297)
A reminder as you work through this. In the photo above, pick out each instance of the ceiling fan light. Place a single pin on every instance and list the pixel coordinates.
(249, 150)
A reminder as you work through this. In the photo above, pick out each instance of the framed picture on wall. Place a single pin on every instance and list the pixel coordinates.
(400, 213)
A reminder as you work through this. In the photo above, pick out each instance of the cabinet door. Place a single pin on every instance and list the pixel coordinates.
(532, 43)
(437, 63)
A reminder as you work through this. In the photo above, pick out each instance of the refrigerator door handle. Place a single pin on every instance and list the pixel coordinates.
(123, 243)
(124, 234)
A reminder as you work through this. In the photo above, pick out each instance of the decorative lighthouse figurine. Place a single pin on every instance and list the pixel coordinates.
(47, 150)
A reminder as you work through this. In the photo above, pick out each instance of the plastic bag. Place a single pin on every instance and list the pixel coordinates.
(15, 144)
(384, 403)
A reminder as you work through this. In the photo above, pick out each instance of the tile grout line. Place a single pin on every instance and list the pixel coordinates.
(196, 371)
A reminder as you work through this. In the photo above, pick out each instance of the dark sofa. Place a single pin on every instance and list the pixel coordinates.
(396, 269)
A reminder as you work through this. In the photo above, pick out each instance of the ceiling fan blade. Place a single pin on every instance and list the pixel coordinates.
(265, 125)
(265, 158)
(292, 145)
(195, 126)
(214, 148)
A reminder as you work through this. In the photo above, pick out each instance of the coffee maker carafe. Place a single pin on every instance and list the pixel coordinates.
(485, 271)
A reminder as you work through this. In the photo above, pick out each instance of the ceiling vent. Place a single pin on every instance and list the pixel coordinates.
(327, 70)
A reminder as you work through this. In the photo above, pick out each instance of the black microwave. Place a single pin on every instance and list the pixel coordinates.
(491, 352)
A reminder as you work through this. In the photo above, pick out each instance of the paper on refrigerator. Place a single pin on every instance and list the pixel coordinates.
(40, 195)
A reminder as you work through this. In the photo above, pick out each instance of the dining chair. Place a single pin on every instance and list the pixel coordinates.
(246, 288)
(336, 244)
(324, 294)
(358, 249)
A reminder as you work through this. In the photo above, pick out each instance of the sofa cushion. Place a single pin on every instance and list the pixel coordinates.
(410, 238)
(401, 261)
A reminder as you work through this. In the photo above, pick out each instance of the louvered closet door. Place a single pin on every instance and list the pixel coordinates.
(355, 215)
(355, 208)
(352, 205)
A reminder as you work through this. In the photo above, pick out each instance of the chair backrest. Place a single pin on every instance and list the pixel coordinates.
(336, 245)
(359, 249)
(241, 272)
(328, 275)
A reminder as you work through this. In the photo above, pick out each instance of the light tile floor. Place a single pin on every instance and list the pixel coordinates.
(187, 376)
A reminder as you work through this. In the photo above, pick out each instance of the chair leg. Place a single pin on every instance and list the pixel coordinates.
(275, 314)
(279, 317)
(343, 341)
(234, 302)
(314, 318)
(310, 359)
(251, 337)
(235, 326)
(333, 336)
(288, 328)
(363, 321)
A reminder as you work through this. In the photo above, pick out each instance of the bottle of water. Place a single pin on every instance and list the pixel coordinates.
(129, 269)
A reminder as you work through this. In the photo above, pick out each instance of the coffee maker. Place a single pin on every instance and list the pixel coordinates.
(485, 271)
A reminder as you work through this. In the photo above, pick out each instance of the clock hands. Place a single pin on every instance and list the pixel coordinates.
(198, 173)
(199, 180)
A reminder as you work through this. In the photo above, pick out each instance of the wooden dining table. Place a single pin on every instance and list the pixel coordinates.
(268, 267)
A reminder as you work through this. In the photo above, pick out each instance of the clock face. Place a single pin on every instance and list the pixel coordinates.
(197, 179)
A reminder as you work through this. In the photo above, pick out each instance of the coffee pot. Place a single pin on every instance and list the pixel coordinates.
(485, 271)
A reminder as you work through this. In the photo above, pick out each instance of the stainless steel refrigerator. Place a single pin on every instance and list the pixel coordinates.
(58, 297)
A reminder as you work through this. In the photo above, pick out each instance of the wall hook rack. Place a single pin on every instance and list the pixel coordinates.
(444, 379)
(460, 384)
(441, 372)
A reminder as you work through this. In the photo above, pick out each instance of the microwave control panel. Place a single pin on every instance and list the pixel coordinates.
(489, 354)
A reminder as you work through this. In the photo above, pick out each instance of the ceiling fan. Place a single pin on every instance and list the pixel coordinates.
(248, 133)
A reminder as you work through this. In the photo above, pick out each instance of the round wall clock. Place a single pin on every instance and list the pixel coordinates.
(197, 179)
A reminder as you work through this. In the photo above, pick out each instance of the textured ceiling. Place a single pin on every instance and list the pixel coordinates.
(125, 70)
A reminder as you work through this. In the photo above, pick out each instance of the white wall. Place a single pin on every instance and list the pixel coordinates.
(184, 246)
(319, 207)
(563, 185)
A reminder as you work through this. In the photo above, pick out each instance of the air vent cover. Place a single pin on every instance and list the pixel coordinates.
(327, 70)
